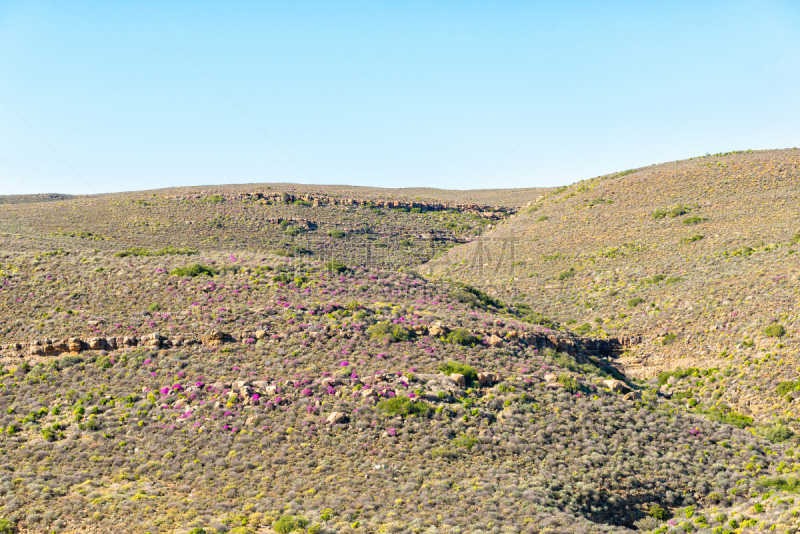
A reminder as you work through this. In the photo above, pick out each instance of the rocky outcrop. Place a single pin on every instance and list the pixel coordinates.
(486, 212)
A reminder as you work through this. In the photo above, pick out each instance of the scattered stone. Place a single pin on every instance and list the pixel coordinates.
(336, 418)
(617, 386)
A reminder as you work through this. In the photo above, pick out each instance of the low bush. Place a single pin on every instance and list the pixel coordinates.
(292, 231)
(583, 329)
(657, 512)
(141, 251)
(69, 361)
(403, 406)
(454, 367)
(777, 433)
(194, 270)
(289, 523)
(731, 418)
(695, 219)
(569, 383)
(461, 336)
(775, 330)
(632, 303)
(388, 332)
(695, 237)
(569, 273)
(336, 266)
(676, 211)
(792, 485)
(337, 234)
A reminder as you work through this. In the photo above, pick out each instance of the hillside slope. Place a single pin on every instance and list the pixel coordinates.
(697, 257)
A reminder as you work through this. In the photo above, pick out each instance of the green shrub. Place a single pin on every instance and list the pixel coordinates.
(669, 338)
(103, 362)
(474, 297)
(465, 441)
(567, 274)
(335, 265)
(50, 433)
(677, 211)
(197, 530)
(795, 239)
(461, 336)
(777, 433)
(731, 418)
(678, 373)
(542, 218)
(6, 526)
(69, 361)
(583, 329)
(292, 231)
(194, 270)
(695, 237)
(300, 202)
(658, 512)
(569, 383)
(403, 406)
(632, 303)
(787, 387)
(791, 485)
(289, 523)
(416, 210)
(695, 219)
(213, 199)
(337, 234)
(775, 330)
(154, 307)
(388, 332)
(170, 250)
(470, 375)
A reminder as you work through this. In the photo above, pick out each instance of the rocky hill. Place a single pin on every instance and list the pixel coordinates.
(161, 373)
(697, 257)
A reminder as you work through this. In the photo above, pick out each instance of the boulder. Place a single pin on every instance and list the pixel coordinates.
(617, 386)
(487, 379)
(632, 396)
(152, 340)
(550, 377)
(495, 341)
(336, 418)
(261, 334)
(260, 386)
(459, 379)
(437, 329)
(213, 338)
(97, 343)
(75, 344)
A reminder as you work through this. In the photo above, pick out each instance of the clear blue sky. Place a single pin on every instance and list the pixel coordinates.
(451, 94)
